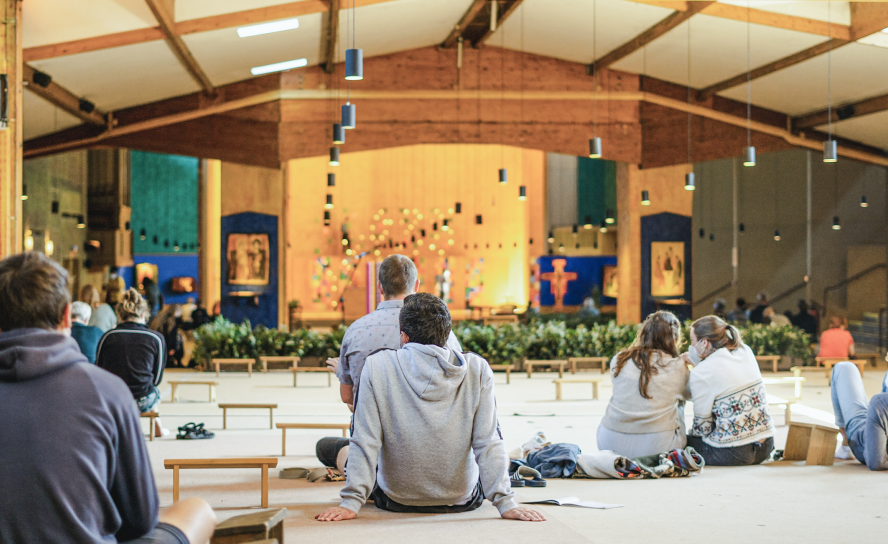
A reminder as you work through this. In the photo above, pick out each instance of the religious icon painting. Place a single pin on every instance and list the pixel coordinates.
(247, 256)
(609, 286)
(667, 269)
(145, 270)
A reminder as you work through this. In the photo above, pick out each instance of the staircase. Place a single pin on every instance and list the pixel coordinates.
(866, 332)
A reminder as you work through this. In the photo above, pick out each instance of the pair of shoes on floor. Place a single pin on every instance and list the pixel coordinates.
(527, 477)
(843, 452)
(194, 431)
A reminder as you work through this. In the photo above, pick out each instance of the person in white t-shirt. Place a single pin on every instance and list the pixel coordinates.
(732, 426)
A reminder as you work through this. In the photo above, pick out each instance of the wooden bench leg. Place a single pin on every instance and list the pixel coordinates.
(561, 370)
(557, 390)
(529, 369)
(775, 365)
(508, 376)
(151, 432)
(250, 369)
(821, 448)
(343, 434)
(264, 486)
(264, 366)
(175, 392)
(788, 414)
(175, 483)
(217, 369)
(798, 390)
(224, 418)
(294, 378)
(603, 367)
(594, 390)
(212, 393)
(329, 379)
(284, 442)
(797, 441)
(573, 367)
(271, 418)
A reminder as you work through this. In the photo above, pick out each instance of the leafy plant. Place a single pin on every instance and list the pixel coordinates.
(503, 344)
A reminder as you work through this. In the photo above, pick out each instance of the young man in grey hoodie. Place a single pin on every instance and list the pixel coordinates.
(426, 437)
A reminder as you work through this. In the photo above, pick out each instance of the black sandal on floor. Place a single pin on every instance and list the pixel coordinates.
(516, 480)
(191, 431)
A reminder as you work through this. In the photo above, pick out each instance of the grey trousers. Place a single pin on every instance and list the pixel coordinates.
(866, 424)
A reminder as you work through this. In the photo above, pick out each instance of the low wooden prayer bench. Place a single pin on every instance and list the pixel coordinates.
(595, 360)
(773, 359)
(529, 364)
(873, 357)
(816, 444)
(176, 384)
(787, 410)
(297, 369)
(829, 362)
(797, 380)
(265, 359)
(284, 426)
(151, 416)
(594, 380)
(259, 527)
(249, 362)
(507, 368)
(225, 408)
(252, 462)
(499, 319)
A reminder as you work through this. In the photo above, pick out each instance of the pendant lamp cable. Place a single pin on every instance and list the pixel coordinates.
(748, 80)
(594, 70)
(829, 70)
(502, 94)
(689, 91)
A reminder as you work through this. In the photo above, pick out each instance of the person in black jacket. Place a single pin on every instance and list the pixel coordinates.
(73, 462)
(804, 320)
(135, 354)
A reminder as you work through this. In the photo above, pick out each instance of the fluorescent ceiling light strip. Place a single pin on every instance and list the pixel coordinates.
(279, 67)
(267, 28)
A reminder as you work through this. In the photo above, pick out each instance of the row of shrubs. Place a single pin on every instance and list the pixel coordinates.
(498, 344)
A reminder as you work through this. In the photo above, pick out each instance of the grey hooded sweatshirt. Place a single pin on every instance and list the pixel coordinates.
(426, 418)
(73, 463)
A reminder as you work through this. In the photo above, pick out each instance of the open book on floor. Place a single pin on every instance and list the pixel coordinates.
(573, 501)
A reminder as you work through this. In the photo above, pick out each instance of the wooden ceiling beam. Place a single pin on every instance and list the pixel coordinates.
(191, 26)
(648, 36)
(61, 97)
(762, 17)
(164, 12)
(331, 37)
(867, 106)
(508, 9)
(467, 18)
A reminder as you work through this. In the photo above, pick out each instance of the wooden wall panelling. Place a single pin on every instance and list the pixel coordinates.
(11, 138)
(628, 244)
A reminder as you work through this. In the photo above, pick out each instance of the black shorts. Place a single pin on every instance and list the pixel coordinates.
(164, 533)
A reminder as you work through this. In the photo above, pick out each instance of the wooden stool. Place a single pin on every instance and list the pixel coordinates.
(593, 380)
(595, 360)
(267, 526)
(265, 359)
(816, 444)
(176, 384)
(270, 407)
(528, 365)
(507, 368)
(773, 359)
(873, 357)
(787, 407)
(284, 426)
(150, 416)
(248, 362)
(797, 380)
(257, 462)
(830, 362)
(297, 369)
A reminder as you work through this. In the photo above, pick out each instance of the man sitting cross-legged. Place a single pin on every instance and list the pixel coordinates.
(426, 437)
(73, 462)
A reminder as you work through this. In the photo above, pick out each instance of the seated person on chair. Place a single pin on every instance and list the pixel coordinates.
(426, 437)
(73, 462)
(864, 426)
(86, 336)
(836, 341)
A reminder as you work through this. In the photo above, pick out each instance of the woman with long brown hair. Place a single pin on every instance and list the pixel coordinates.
(645, 415)
(732, 425)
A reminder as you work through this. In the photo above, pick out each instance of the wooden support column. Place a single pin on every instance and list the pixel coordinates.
(628, 244)
(210, 214)
(11, 134)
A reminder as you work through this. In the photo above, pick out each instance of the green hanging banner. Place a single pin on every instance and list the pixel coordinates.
(596, 189)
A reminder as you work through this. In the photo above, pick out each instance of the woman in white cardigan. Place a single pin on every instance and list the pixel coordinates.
(732, 426)
(645, 415)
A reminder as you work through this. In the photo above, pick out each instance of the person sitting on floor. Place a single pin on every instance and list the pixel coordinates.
(135, 354)
(86, 336)
(864, 426)
(426, 437)
(836, 341)
(774, 319)
(732, 425)
(73, 464)
(645, 415)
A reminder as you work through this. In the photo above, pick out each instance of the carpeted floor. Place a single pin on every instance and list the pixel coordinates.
(776, 502)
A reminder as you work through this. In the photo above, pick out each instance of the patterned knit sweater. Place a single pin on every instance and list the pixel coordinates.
(730, 401)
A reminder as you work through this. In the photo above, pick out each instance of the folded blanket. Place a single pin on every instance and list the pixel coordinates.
(609, 464)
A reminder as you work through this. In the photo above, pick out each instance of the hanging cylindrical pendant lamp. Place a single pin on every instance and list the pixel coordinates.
(711, 237)
(777, 235)
(551, 238)
(830, 151)
(603, 227)
(327, 218)
(609, 217)
(741, 227)
(863, 203)
(702, 233)
(749, 156)
(522, 193)
(445, 226)
(479, 220)
(338, 134)
(458, 207)
(331, 180)
(329, 204)
(24, 191)
(575, 229)
(354, 64)
(587, 224)
(348, 115)
(836, 224)
(645, 199)
(503, 176)
(595, 148)
(689, 181)
(334, 156)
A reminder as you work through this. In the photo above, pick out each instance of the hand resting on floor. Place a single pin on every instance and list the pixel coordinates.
(337, 513)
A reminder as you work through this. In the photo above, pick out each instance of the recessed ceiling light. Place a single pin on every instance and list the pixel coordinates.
(279, 67)
(267, 28)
